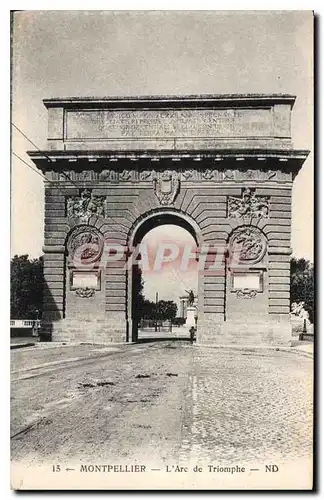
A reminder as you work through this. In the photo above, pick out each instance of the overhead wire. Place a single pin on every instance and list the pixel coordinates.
(176, 277)
(50, 159)
(29, 166)
(40, 150)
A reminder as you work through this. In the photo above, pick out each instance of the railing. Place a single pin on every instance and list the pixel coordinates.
(149, 325)
(24, 323)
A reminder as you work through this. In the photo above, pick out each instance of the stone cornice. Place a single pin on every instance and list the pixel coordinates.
(284, 160)
(158, 101)
(218, 155)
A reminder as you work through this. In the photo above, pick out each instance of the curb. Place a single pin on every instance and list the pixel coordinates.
(299, 352)
(53, 345)
(254, 348)
(19, 346)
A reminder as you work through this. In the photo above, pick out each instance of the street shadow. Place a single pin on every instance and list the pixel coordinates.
(163, 339)
(51, 311)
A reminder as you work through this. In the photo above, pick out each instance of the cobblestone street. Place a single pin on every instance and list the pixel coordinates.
(250, 406)
(160, 403)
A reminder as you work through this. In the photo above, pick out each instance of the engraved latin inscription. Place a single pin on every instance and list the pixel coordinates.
(208, 123)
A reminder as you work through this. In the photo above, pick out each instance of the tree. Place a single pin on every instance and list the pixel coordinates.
(302, 284)
(149, 309)
(26, 292)
(160, 311)
(166, 309)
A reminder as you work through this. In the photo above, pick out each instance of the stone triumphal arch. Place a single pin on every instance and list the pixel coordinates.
(222, 167)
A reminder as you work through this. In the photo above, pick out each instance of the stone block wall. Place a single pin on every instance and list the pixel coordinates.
(207, 207)
(211, 164)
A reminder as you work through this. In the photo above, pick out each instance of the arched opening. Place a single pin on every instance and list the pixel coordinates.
(165, 258)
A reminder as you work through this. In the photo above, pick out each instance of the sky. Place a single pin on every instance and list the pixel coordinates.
(170, 282)
(104, 53)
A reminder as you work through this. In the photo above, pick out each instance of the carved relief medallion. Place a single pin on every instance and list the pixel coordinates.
(249, 204)
(248, 244)
(166, 187)
(85, 245)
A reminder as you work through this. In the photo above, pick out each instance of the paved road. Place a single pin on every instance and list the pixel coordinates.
(161, 402)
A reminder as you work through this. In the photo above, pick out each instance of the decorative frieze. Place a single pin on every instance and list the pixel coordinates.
(228, 175)
(85, 175)
(74, 176)
(126, 175)
(255, 175)
(249, 204)
(146, 175)
(195, 173)
(84, 205)
(109, 175)
(209, 174)
(190, 174)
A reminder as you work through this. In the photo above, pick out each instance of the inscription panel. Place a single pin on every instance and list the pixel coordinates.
(248, 280)
(82, 279)
(209, 123)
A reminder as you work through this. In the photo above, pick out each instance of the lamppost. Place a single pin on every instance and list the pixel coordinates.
(37, 322)
(305, 276)
(156, 303)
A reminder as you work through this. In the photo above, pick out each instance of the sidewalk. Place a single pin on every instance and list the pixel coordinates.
(307, 347)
